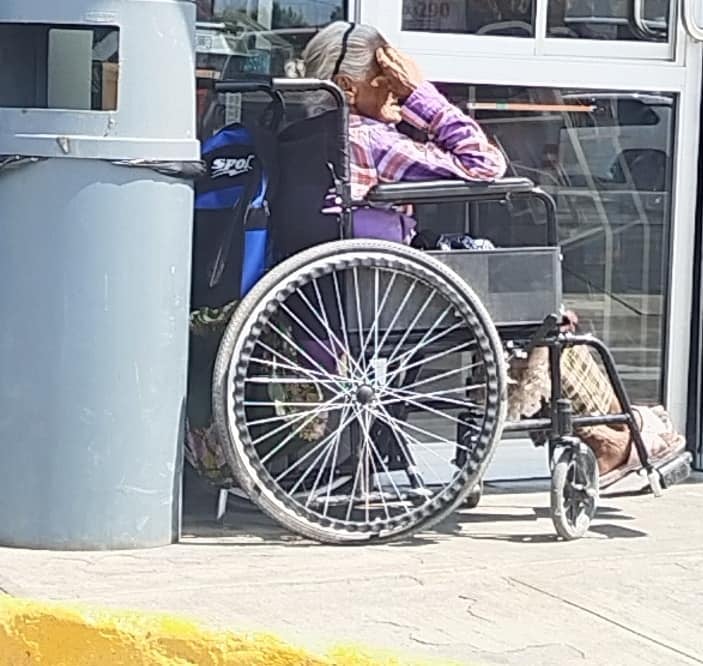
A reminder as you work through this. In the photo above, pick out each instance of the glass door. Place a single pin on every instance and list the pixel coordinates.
(694, 430)
(607, 157)
(598, 101)
(695, 408)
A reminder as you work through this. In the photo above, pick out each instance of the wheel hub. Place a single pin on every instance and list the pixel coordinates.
(365, 395)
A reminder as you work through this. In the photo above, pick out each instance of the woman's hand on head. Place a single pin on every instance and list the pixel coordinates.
(402, 73)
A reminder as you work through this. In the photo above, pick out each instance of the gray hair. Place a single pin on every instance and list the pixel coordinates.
(325, 48)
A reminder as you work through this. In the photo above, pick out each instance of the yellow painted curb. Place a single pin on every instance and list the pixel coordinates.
(53, 635)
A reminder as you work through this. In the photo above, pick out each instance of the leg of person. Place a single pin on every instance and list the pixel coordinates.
(591, 393)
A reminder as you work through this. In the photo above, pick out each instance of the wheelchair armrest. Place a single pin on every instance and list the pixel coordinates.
(444, 191)
(438, 191)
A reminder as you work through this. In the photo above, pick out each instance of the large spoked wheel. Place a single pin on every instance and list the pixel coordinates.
(574, 492)
(340, 384)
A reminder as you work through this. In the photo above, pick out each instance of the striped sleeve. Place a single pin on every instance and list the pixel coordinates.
(458, 147)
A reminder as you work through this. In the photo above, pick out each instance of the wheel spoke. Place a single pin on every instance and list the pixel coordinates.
(353, 490)
(394, 424)
(334, 465)
(438, 439)
(429, 342)
(366, 487)
(396, 316)
(427, 335)
(399, 395)
(435, 357)
(314, 376)
(313, 336)
(399, 435)
(441, 414)
(289, 438)
(389, 474)
(422, 447)
(378, 310)
(342, 315)
(274, 403)
(291, 419)
(287, 380)
(373, 450)
(449, 373)
(359, 317)
(303, 353)
(325, 322)
(322, 373)
(320, 473)
(310, 453)
(334, 437)
(434, 394)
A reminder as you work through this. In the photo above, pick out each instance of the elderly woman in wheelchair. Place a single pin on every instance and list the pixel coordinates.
(362, 385)
(385, 88)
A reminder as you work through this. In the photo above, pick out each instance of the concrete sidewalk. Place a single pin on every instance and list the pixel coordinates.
(490, 586)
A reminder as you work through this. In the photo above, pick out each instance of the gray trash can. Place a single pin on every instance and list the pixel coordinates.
(97, 130)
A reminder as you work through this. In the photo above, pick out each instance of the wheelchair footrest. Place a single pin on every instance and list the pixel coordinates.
(676, 470)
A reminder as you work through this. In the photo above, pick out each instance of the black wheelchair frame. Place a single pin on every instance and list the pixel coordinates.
(573, 465)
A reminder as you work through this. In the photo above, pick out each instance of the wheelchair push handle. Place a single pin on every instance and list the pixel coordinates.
(255, 85)
(274, 87)
(245, 86)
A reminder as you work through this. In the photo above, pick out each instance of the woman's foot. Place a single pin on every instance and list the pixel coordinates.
(616, 453)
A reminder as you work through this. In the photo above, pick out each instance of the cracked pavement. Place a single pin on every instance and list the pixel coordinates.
(489, 586)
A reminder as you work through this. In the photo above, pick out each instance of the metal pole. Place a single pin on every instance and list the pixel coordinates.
(95, 258)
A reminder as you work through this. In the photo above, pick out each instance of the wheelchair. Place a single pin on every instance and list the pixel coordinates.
(360, 387)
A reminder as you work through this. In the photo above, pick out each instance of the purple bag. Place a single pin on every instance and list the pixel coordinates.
(388, 225)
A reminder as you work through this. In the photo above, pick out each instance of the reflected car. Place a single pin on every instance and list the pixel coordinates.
(625, 141)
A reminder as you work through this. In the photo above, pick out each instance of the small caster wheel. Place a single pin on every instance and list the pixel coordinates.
(574, 492)
(474, 497)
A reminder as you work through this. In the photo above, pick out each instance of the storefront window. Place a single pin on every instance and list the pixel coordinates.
(514, 18)
(237, 37)
(607, 158)
(646, 20)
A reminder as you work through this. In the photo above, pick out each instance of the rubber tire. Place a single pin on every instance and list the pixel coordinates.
(563, 527)
(473, 499)
(237, 458)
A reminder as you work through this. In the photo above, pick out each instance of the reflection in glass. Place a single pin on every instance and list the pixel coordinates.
(513, 18)
(259, 36)
(236, 38)
(607, 158)
(641, 20)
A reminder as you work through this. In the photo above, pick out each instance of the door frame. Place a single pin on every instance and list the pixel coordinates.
(694, 430)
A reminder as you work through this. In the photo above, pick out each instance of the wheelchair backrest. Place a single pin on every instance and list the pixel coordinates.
(308, 156)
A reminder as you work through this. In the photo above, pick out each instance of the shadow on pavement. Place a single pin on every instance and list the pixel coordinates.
(245, 525)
